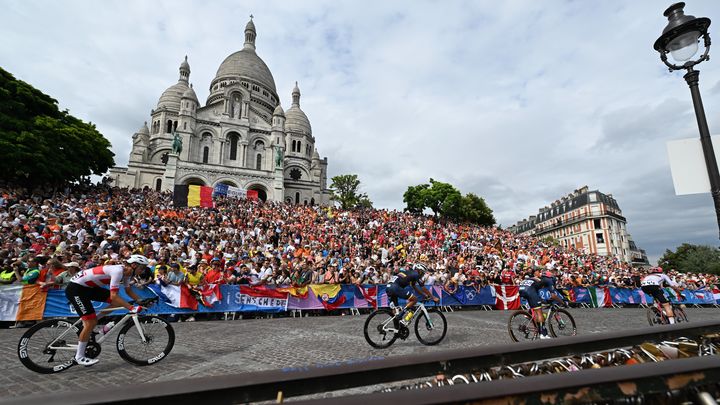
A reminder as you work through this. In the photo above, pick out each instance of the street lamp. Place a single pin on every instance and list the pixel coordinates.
(680, 39)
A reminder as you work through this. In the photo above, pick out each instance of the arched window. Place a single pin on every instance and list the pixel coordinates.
(312, 201)
(168, 128)
(293, 146)
(233, 146)
(158, 184)
(297, 198)
(206, 154)
(258, 162)
(175, 125)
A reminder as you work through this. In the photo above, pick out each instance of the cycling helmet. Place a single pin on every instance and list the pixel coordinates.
(423, 257)
(547, 273)
(420, 268)
(138, 259)
(657, 269)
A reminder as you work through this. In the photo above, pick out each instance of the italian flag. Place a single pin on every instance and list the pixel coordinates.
(600, 297)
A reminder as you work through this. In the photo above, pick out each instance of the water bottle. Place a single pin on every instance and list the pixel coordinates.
(408, 316)
(106, 328)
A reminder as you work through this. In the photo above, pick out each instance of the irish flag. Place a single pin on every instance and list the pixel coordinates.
(600, 297)
(22, 303)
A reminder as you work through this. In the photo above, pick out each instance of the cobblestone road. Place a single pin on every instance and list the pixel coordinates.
(222, 347)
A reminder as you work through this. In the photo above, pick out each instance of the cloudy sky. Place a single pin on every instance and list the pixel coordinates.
(520, 102)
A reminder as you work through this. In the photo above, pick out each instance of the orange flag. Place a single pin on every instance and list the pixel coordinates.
(32, 303)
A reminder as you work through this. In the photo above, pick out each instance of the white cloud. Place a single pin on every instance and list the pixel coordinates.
(519, 102)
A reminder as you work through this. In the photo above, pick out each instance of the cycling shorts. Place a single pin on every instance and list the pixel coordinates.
(394, 292)
(656, 292)
(532, 297)
(81, 299)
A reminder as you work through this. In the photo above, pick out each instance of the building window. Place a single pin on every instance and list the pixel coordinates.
(206, 154)
(295, 174)
(233, 146)
(599, 237)
(158, 184)
(596, 223)
(593, 197)
(168, 128)
(297, 198)
(184, 125)
(258, 162)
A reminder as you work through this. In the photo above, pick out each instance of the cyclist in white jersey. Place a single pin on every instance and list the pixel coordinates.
(652, 285)
(101, 284)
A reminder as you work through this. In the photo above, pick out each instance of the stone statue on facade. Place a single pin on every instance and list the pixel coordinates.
(237, 108)
(278, 156)
(177, 143)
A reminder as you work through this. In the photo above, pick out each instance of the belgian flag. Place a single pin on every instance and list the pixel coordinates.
(192, 196)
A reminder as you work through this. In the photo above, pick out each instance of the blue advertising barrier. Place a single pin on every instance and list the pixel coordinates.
(234, 300)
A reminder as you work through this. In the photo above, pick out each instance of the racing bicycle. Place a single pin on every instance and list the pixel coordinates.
(558, 322)
(383, 327)
(656, 314)
(49, 346)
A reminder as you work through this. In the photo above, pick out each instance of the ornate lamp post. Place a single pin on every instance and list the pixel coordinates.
(680, 39)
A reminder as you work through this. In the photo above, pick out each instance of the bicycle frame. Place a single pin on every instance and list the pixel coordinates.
(387, 327)
(133, 316)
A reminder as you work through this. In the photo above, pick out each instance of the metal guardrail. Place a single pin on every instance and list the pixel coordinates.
(296, 381)
(576, 387)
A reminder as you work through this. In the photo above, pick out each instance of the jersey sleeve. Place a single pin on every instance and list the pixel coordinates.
(669, 281)
(116, 277)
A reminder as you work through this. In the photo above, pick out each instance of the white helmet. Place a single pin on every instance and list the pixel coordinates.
(138, 259)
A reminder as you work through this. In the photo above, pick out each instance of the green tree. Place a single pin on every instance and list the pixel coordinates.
(41, 145)
(414, 198)
(446, 201)
(475, 210)
(692, 258)
(345, 190)
(441, 197)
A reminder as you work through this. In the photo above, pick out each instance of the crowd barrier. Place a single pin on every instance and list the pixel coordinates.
(20, 303)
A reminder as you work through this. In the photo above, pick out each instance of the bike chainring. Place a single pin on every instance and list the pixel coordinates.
(404, 332)
(93, 350)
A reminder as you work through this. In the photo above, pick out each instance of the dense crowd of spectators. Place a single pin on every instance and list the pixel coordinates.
(47, 240)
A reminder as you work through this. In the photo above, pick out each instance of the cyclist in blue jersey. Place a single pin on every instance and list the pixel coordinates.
(412, 276)
(530, 290)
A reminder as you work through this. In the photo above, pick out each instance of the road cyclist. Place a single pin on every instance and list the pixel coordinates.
(90, 285)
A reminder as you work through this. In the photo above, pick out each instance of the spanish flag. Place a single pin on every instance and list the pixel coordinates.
(192, 196)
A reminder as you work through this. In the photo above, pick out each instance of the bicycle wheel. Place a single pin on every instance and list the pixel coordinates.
(374, 331)
(654, 316)
(34, 348)
(159, 340)
(680, 315)
(430, 330)
(562, 323)
(521, 326)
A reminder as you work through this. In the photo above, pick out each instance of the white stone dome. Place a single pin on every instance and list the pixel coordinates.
(246, 63)
(171, 97)
(190, 93)
(295, 118)
(297, 121)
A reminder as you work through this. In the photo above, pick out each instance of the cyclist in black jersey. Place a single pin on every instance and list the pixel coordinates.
(409, 277)
(529, 289)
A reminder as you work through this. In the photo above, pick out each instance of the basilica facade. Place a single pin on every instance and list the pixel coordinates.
(241, 137)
